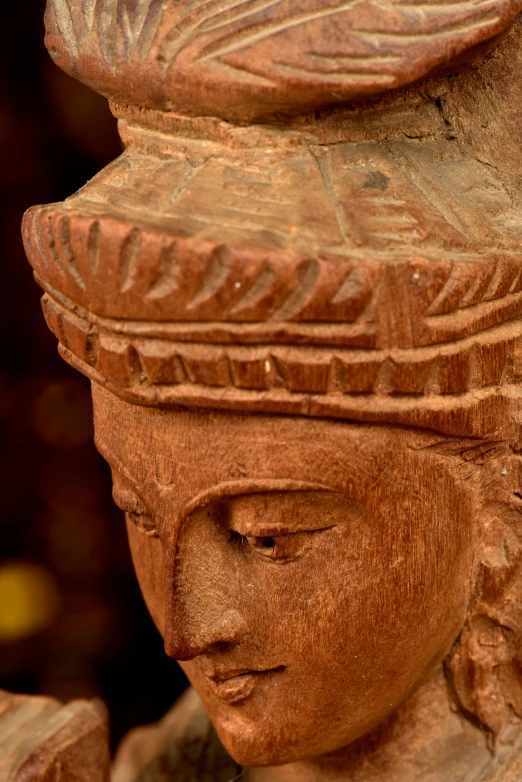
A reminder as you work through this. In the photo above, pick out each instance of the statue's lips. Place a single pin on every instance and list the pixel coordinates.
(236, 686)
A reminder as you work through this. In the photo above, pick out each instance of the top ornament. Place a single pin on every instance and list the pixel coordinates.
(250, 59)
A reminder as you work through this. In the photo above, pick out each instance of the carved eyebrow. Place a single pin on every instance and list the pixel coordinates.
(255, 486)
(278, 517)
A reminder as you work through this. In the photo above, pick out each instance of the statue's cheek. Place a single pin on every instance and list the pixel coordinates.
(147, 557)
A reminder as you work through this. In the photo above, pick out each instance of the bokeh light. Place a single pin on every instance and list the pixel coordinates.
(28, 600)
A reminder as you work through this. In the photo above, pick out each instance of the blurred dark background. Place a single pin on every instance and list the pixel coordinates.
(72, 620)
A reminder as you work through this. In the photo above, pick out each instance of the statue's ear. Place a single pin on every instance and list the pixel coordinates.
(484, 669)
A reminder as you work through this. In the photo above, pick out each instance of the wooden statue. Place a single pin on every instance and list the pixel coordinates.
(43, 741)
(298, 295)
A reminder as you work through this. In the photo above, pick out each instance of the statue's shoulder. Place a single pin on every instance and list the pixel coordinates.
(183, 746)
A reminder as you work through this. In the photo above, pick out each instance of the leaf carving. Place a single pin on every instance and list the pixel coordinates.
(132, 21)
(108, 31)
(89, 7)
(150, 26)
(64, 20)
(207, 17)
(129, 260)
(374, 53)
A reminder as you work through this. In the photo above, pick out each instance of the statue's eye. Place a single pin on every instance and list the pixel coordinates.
(278, 548)
(265, 544)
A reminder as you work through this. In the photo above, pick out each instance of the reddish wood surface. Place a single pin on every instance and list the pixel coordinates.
(245, 60)
(42, 740)
(298, 293)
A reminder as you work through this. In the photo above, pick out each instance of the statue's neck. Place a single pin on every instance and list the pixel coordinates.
(406, 112)
(425, 739)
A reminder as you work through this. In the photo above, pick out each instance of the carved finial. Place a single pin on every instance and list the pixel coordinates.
(270, 269)
(245, 60)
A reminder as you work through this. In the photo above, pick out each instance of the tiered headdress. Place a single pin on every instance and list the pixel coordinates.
(324, 265)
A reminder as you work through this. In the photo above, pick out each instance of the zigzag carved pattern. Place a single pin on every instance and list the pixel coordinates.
(472, 364)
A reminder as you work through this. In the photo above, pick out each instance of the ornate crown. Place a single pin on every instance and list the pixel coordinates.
(337, 268)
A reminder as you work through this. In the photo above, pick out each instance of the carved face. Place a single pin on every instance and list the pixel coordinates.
(307, 574)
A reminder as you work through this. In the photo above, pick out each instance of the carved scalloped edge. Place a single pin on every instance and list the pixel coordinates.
(146, 268)
(121, 269)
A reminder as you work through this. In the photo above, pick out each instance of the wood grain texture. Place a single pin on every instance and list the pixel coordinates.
(247, 58)
(43, 741)
(379, 547)
(302, 318)
(280, 268)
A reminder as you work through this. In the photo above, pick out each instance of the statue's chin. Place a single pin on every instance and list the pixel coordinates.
(252, 744)
(249, 743)
(255, 750)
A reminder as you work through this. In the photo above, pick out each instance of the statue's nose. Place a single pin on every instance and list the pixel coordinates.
(183, 642)
(203, 590)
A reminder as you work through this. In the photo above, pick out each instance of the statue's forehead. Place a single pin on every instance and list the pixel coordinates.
(179, 442)
(187, 454)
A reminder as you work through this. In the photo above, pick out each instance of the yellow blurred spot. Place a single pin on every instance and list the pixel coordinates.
(28, 600)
